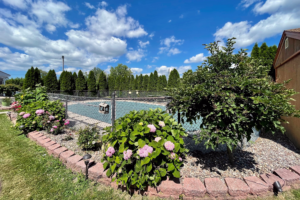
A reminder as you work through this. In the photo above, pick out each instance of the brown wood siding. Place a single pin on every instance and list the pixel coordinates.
(294, 46)
(291, 70)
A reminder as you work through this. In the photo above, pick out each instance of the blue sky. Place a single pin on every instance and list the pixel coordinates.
(144, 35)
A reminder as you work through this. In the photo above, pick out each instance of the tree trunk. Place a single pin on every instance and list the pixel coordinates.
(230, 155)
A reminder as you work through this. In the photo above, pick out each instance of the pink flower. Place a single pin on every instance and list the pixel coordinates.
(127, 154)
(26, 115)
(157, 139)
(48, 122)
(161, 123)
(57, 120)
(51, 130)
(51, 117)
(54, 126)
(152, 128)
(180, 159)
(169, 146)
(67, 122)
(47, 112)
(39, 112)
(110, 151)
(63, 119)
(144, 152)
(173, 156)
(22, 113)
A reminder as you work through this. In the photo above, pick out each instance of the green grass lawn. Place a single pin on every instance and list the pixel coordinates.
(5, 110)
(28, 172)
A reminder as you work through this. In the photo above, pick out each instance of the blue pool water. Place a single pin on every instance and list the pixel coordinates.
(122, 108)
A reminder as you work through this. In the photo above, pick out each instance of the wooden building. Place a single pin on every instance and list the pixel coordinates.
(287, 66)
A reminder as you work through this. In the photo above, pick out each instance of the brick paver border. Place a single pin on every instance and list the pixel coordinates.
(188, 188)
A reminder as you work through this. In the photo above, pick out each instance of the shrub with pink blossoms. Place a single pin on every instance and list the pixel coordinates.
(21, 113)
(146, 144)
(26, 115)
(110, 151)
(39, 112)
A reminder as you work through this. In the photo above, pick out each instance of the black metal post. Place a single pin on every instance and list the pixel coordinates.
(86, 169)
(63, 62)
(113, 108)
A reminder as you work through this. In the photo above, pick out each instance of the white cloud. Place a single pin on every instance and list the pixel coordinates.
(50, 28)
(89, 5)
(247, 3)
(136, 70)
(103, 3)
(181, 16)
(107, 70)
(284, 15)
(143, 44)
(164, 70)
(155, 59)
(151, 36)
(195, 59)
(99, 42)
(135, 55)
(149, 66)
(169, 21)
(168, 46)
(174, 51)
(20, 4)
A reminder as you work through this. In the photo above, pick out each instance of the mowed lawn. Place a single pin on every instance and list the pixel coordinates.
(28, 172)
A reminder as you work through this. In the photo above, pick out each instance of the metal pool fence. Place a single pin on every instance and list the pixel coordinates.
(103, 110)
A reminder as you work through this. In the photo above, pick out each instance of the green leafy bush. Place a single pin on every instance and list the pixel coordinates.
(7, 100)
(9, 89)
(143, 148)
(31, 119)
(88, 137)
(32, 95)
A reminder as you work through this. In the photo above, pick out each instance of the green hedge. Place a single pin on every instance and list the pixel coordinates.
(9, 89)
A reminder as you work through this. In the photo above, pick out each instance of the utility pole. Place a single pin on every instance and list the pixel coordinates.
(63, 62)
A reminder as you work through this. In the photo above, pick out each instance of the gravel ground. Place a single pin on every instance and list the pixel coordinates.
(268, 153)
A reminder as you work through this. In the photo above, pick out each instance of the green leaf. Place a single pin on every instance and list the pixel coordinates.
(176, 173)
(121, 149)
(163, 172)
(141, 143)
(171, 167)
(177, 146)
(149, 167)
(156, 153)
(105, 165)
(113, 167)
(119, 127)
(108, 173)
(118, 161)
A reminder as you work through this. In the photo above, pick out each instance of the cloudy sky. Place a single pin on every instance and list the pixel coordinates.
(144, 35)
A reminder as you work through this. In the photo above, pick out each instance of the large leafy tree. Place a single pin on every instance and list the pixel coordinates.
(231, 101)
(111, 84)
(80, 81)
(97, 71)
(15, 81)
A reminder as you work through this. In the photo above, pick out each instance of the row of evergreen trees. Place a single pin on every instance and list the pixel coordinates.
(124, 81)
(32, 77)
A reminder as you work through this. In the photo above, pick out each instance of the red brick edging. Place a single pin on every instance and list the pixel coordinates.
(189, 188)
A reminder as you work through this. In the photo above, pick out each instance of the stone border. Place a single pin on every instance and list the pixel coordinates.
(189, 188)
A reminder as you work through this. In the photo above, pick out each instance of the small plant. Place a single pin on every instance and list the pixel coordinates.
(88, 137)
(68, 137)
(6, 101)
(143, 148)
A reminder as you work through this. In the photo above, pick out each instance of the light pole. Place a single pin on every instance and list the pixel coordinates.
(63, 62)
(86, 159)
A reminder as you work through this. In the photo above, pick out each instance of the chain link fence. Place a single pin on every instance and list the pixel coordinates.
(102, 110)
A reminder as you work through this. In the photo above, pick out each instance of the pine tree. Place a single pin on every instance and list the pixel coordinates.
(102, 84)
(51, 81)
(164, 82)
(66, 82)
(145, 82)
(118, 83)
(37, 77)
(80, 82)
(91, 82)
(255, 51)
(132, 83)
(174, 79)
(74, 77)
(140, 82)
(155, 80)
(29, 81)
(136, 82)
(111, 84)
(150, 83)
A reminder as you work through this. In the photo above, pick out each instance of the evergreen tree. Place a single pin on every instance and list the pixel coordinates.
(118, 83)
(111, 84)
(102, 84)
(66, 82)
(145, 82)
(132, 83)
(29, 79)
(91, 82)
(74, 78)
(255, 51)
(163, 82)
(150, 83)
(155, 80)
(80, 82)
(174, 79)
(140, 82)
(51, 81)
(37, 76)
(136, 82)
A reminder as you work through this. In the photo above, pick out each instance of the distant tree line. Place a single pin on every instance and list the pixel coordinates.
(120, 78)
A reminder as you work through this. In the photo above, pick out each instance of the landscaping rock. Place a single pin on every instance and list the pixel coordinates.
(270, 179)
(215, 187)
(58, 151)
(237, 187)
(48, 144)
(81, 167)
(96, 172)
(65, 155)
(193, 187)
(169, 187)
(50, 149)
(288, 176)
(72, 161)
(43, 142)
(257, 186)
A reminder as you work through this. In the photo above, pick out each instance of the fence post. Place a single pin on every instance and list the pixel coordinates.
(178, 117)
(113, 109)
(66, 110)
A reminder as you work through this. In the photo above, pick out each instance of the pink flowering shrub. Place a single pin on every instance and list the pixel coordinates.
(143, 144)
(39, 112)
(26, 115)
